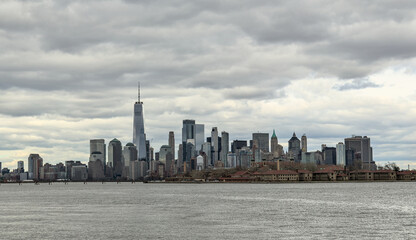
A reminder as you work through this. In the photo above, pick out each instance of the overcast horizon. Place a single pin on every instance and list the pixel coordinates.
(69, 73)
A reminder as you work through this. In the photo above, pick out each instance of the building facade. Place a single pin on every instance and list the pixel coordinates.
(262, 141)
(341, 154)
(224, 148)
(139, 137)
(114, 157)
(97, 146)
(294, 148)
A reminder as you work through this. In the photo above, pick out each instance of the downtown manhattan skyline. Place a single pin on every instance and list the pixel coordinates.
(242, 67)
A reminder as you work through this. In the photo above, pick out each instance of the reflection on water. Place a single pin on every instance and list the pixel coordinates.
(208, 211)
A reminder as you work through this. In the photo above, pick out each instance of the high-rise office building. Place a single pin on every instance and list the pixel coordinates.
(215, 145)
(114, 157)
(95, 169)
(238, 144)
(362, 151)
(304, 143)
(274, 145)
(172, 143)
(199, 136)
(206, 149)
(20, 167)
(262, 141)
(349, 157)
(148, 152)
(294, 148)
(225, 143)
(31, 160)
(165, 157)
(189, 153)
(139, 138)
(244, 157)
(330, 155)
(129, 154)
(97, 146)
(188, 130)
(276, 148)
(188, 137)
(37, 166)
(179, 163)
(341, 154)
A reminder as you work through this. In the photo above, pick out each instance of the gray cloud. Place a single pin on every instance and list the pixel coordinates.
(73, 66)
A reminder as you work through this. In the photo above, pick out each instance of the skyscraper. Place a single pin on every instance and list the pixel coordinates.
(362, 151)
(238, 144)
(37, 165)
(188, 130)
(165, 157)
(31, 161)
(262, 141)
(172, 143)
(304, 143)
(274, 145)
(114, 157)
(294, 148)
(20, 166)
(224, 147)
(330, 155)
(341, 154)
(139, 138)
(129, 154)
(206, 148)
(188, 137)
(199, 136)
(215, 145)
(148, 152)
(179, 163)
(97, 148)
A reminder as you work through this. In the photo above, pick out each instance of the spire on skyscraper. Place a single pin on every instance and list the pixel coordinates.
(138, 93)
(274, 134)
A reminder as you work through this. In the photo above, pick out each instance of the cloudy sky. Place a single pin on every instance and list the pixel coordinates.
(329, 69)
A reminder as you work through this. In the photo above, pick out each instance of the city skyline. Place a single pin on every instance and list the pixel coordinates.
(65, 79)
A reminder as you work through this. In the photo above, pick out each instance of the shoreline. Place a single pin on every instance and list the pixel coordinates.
(200, 182)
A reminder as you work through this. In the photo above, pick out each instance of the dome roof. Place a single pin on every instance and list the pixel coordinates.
(130, 144)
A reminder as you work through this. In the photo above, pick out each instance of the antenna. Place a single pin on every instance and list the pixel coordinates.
(138, 92)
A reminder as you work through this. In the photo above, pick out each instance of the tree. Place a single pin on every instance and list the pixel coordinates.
(391, 166)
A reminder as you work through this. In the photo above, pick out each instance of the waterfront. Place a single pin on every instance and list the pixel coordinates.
(208, 211)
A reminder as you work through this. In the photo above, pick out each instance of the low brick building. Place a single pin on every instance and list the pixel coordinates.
(305, 175)
(385, 175)
(364, 175)
(324, 175)
(342, 177)
(278, 175)
(406, 175)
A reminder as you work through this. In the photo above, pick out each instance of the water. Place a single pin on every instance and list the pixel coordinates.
(208, 211)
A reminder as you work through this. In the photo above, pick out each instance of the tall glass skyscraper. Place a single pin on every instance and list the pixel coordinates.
(199, 136)
(188, 130)
(139, 138)
(341, 154)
